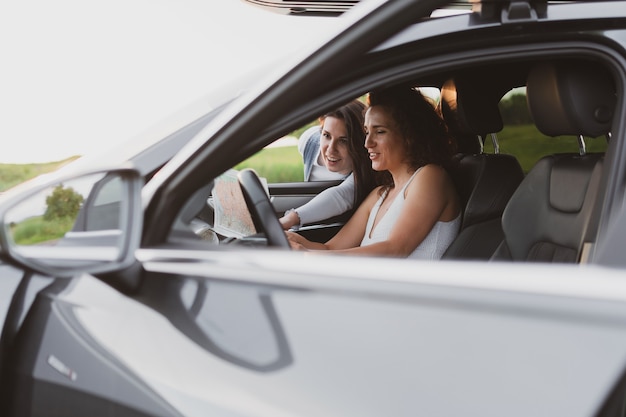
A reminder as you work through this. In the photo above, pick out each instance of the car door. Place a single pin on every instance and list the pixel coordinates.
(282, 332)
(285, 196)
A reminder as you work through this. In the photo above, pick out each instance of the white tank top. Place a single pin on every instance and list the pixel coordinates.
(434, 244)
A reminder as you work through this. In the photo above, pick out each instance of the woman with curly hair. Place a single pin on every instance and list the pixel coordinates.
(416, 212)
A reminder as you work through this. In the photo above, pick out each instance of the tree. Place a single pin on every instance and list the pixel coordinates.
(62, 203)
(514, 110)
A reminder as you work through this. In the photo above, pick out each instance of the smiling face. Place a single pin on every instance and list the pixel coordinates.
(334, 146)
(383, 140)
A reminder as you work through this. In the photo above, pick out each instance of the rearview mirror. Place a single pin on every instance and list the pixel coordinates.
(90, 223)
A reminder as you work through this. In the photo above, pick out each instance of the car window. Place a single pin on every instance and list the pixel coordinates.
(282, 160)
(278, 162)
(520, 137)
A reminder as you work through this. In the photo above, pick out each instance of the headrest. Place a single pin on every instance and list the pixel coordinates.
(571, 98)
(469, 110)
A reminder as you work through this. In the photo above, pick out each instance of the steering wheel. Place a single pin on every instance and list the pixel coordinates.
(261, 209)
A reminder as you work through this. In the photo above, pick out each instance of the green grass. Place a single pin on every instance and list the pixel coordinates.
(13, 174)
(37, 230)
(529, 145)
(280, 164)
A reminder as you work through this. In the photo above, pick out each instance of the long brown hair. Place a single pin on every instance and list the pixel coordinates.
(425, 133)
(352, 114)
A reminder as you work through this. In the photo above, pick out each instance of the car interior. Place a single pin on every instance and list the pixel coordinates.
(548, 212)
(545, 214)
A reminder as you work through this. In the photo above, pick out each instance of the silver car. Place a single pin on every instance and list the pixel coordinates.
(156, 299)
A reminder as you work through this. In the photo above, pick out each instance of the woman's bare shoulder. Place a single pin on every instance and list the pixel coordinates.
(373, 196)
(430, 177)
(429, 174)
(433, 169)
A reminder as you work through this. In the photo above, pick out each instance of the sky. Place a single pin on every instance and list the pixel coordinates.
(80, 76)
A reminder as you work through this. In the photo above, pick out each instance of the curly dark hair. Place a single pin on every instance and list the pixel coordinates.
(425, 133)
(352, 114)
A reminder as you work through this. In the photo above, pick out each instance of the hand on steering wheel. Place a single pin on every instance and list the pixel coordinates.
(261, 209)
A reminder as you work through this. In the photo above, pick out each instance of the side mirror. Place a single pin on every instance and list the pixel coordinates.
(89, 223)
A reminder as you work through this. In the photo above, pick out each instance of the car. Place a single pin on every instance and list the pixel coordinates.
(164, 296)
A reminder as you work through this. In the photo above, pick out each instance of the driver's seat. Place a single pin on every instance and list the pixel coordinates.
(484, 181)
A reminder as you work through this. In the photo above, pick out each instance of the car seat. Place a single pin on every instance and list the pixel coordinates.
(548, 216)
(485, 182)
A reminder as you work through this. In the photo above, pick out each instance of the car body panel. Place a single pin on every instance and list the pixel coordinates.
(434, 343)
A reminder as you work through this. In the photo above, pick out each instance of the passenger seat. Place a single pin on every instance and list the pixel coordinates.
(547, 217)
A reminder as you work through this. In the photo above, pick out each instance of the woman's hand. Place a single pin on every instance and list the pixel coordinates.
(299, 242)
(289, 220)
(296, 241)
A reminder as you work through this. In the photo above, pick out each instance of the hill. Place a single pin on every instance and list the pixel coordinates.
(13, 174)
